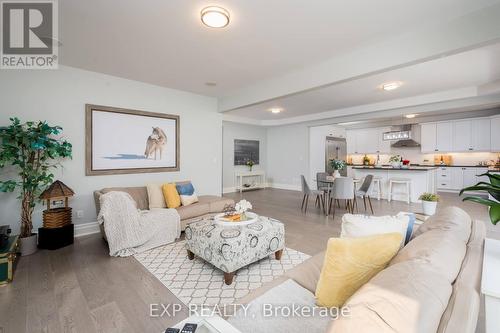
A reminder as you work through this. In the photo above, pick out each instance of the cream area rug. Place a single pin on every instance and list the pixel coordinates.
(198, 282)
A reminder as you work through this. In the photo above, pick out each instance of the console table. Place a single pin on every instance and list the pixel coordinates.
(489, 284)
(259, 175)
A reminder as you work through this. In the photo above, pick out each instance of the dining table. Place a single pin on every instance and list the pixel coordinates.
(330, 181)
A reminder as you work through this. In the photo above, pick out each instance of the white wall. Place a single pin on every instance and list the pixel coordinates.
(232, 131)
(287, 151)
(59, 97)
(317, 146)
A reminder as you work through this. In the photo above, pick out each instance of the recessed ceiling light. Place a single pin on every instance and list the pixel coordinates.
(411, 115)
(275, 110)
(215, 17)
(211, 84)
(391, 85)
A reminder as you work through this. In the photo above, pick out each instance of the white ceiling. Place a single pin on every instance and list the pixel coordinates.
(163, 42)
(468, 69)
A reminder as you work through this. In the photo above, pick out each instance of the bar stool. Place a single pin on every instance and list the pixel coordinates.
(376, 184)
(402, 181)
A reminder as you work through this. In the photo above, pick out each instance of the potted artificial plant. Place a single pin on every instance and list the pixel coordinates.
(337, 165)
(30, 150)
(429, 203)
(492, 188)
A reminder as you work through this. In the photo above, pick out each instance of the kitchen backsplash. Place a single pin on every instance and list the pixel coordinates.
(416, 157)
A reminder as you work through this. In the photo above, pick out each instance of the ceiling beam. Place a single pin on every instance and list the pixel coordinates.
(473, 30)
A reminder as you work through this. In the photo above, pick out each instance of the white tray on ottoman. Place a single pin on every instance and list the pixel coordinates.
(230, 248)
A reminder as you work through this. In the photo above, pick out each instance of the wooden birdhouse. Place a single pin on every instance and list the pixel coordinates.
(59, 216)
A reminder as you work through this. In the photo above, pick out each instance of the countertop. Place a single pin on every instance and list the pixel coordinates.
(388, 167)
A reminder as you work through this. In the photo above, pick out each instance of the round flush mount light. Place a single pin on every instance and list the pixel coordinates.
(215, 17)
(391, 85)
(275, 110)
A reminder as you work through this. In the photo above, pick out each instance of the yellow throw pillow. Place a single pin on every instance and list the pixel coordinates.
(172, 198)
(350, 263)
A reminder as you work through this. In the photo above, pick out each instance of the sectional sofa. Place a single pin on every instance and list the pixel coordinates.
(431, 285)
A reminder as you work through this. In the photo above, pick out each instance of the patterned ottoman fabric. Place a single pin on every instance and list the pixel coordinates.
(231, 248)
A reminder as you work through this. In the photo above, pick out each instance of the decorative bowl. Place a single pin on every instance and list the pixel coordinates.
(251, 218)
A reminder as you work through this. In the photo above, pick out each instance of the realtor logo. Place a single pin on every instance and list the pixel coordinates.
(29, 35)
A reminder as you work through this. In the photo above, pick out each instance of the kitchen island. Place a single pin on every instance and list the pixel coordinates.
(423, 179)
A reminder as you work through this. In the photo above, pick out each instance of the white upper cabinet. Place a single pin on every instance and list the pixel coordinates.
(472, 135)
(495, 134)
(462, 135)
(428, 138)
(481, 136)
(367, 141)
(444, 137)
(384, 147)
(351, 141)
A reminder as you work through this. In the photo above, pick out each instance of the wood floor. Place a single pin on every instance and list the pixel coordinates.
(81, 289)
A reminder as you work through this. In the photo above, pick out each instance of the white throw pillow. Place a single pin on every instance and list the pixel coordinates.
(354, 226)
(187, 200)
(155, 196)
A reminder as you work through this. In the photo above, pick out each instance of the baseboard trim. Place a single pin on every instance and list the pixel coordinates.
(85, 229)
(285, 187)
(228, 190)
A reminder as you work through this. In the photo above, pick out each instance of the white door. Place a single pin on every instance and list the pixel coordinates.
(444, 137)
(428, 138)
(470, 178)
(481, 134)
(462, 131)
(495, 134)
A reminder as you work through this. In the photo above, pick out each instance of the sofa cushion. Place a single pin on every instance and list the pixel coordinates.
(155, 196)
(215, 203)
(350, 263)
(406, 297)
(139, 194)
(439, 249)
(289, 294)
(357, 225)
(307, 273)
(451, 219)
(172, 198)
(187, 200)
(194, 210)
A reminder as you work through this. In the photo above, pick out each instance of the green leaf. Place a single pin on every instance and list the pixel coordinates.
(482, 201)
(495, 214)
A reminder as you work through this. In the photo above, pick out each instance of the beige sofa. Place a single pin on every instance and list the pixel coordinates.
(208, 204)
(431, 285)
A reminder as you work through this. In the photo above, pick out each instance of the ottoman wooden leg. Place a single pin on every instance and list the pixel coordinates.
(190, 255)
(278, 254)
(228, 278)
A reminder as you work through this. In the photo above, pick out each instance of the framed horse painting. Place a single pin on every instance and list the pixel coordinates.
(120, 141)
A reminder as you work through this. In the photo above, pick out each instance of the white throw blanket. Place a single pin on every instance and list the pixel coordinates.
(130, 230)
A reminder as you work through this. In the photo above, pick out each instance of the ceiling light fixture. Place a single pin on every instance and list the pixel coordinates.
(411, 116)
(275, 110)
(391, 85)
(215, 17)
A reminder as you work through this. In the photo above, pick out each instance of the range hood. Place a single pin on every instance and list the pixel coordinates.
(403, 137)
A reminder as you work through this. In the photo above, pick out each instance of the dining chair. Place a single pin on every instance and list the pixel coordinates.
(306, 192)
(363, 191)
(343, 190)
(321, 181)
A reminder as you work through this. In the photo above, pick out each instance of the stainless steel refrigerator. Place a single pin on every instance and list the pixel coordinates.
(335, 148)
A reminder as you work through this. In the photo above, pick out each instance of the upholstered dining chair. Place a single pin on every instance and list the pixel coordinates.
(343, 190)
(321, 178)
(306, 192)
(363, 191)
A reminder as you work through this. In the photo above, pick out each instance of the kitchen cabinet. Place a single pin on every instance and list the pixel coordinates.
(456, 178)
(472, 135)
(428, 138)
(367, 141)
(436, 137)
(495, 134)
